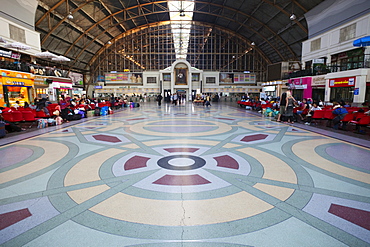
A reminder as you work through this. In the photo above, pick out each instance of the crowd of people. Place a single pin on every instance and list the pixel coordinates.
(284, 108)
(67, 109)
(288, 109)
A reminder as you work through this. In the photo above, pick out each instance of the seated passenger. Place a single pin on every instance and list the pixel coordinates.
(302, 107)
(16, 105)
(310, 113)
(340, 112)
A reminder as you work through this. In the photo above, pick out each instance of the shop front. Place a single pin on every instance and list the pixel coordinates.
(342, 88)
(301, 87)
(60, 86)
(274, 88)
(349, 86)
(318, 88)
(41, 86)
(367, 95)
(270, 91)
(15, 86)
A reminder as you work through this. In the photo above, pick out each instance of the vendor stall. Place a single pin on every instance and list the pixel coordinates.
(15, 86)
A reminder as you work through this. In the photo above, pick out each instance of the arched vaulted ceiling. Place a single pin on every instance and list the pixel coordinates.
(98, 24)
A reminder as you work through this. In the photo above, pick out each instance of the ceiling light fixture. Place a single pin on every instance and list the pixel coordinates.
(182, 13)
(253, 43)
(70, 16)
(292, 17)
(109, 43)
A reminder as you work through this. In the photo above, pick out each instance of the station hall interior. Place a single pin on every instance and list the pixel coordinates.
(106, 162)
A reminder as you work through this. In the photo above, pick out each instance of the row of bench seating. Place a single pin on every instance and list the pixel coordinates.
(359, 119)
(354, 117)
(28, 115)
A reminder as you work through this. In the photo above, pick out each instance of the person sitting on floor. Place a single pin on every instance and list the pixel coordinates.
(67, 114)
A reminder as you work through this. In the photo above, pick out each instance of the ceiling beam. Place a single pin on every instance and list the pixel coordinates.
(196, 11)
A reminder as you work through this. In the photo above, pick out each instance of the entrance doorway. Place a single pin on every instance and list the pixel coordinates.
(182, 93)
(167, 95)
(318, 94)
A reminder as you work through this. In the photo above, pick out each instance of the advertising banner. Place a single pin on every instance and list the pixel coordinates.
(300, 83)
(77, 78)
(121, 77)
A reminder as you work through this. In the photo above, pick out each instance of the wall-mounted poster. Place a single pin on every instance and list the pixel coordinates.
(122, 77)
(226, 78)
(136, 78)
(181, 77)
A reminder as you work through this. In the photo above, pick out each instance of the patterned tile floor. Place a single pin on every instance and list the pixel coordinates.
(183, 176)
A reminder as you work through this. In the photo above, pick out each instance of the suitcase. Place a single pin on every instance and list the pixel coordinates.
(2, 130)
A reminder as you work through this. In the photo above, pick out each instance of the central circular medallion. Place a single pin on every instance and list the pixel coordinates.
(181, 162)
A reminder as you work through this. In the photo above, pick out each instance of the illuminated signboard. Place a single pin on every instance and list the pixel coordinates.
(342, 82)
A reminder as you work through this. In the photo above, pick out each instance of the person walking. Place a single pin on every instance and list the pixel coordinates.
(175, 98)
(159, 99)
(282, 106)
(290, 101)
(208, 101)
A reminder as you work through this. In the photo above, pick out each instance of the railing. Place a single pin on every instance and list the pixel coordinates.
(330, 68)
(32, 68)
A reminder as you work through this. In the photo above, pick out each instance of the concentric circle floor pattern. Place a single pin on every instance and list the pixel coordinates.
(184, 176)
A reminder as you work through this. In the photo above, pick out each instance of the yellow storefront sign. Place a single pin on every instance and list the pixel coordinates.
(7, 81)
